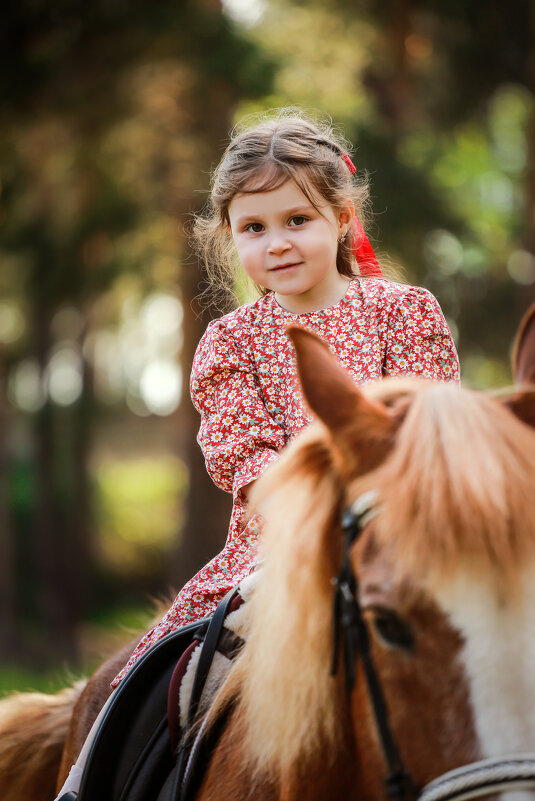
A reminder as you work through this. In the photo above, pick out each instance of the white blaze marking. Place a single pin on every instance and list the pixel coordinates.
(499, 662)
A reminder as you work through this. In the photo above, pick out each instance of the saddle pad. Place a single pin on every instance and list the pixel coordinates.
(183, 677)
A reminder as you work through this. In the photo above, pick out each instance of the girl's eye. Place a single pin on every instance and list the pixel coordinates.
(298, 220)
(254, 228)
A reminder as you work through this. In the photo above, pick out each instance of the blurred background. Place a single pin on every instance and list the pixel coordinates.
(112, 116)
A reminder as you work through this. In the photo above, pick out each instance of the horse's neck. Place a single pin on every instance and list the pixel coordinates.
(325, 777)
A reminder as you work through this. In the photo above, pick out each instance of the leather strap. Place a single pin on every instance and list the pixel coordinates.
(209, 648)
(229, 643)
(350, 627)
(201, 752)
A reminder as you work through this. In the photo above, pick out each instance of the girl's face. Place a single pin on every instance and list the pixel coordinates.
(286, 245)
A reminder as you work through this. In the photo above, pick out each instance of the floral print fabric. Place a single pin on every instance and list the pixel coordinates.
(244, 385)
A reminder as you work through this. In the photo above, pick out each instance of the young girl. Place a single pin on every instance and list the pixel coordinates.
(284, 199)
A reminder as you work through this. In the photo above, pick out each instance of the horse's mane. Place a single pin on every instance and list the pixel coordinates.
(456, 490)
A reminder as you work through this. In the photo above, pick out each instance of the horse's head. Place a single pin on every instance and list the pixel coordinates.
(446, 571)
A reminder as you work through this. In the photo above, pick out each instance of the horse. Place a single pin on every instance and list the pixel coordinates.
(446, 572)
(444, 564)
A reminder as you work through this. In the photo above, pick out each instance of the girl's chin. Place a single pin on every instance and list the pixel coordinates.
(292, 281)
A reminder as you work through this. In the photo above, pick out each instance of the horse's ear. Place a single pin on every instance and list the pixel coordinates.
(524, 349)
(522, 405)
(522, 402)
(362, 429)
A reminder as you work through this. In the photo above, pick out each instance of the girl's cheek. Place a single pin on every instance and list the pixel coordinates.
(250, 250)
(242, 247)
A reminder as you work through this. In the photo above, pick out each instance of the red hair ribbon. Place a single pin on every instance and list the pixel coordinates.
(361, 248)
(350, 166)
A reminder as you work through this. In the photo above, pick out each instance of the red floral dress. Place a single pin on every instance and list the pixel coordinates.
(243, 383)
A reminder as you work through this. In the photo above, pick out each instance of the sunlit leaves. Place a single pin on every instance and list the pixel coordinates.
(138, 506)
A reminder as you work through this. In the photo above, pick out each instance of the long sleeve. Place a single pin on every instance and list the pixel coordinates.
(418, 340)
(238, 437)
(379, 327)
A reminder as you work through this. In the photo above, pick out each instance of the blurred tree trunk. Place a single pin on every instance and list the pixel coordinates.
(393, 93)
(208, 508)
(524, 295)
(81, 543)
(529, 237)
(8, 639)
(55, 611)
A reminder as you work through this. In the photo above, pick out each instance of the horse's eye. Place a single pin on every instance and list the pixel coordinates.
(391, 630)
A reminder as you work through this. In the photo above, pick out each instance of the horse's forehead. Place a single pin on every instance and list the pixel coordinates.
(497, 656)
(486, 631)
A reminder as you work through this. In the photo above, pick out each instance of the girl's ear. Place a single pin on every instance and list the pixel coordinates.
(345, 215)
(362, 430)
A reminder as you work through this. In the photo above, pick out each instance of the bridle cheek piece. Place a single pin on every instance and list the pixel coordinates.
(466, 783)
(351, 632)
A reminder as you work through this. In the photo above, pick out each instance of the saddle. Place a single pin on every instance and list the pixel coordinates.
(143, 749)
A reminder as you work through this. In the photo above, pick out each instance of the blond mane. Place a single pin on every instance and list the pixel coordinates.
(286, 695)
(456, 489)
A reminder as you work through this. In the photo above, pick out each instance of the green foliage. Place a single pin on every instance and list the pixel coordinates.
(139, 510)
(439, 103)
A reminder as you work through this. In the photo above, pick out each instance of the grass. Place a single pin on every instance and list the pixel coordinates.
(99, 637)
(22, 679)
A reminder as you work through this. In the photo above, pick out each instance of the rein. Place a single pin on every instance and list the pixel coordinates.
(350, 628)
(485, 777)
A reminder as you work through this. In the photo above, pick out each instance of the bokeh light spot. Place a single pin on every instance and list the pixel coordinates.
(12, 323)
(161, 387)
(65, 376)
(443, 251)
(25, 388)
(521, 267)
(245, 12)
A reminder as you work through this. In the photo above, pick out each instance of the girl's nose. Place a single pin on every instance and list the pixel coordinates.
(278, 243)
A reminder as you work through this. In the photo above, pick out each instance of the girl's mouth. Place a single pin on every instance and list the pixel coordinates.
(284, 267)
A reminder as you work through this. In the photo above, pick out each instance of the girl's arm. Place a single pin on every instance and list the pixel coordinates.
(418, 340)
(247, 489)
(238, 436)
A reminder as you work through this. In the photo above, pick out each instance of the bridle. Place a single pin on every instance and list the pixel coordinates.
(480, 778)
(349, 627)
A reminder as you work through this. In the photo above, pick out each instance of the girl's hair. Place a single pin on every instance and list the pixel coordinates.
(286, 144)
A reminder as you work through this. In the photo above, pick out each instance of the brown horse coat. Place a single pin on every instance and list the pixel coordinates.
(456, 531)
